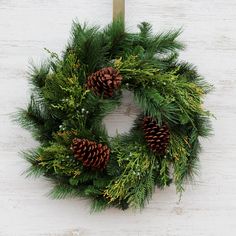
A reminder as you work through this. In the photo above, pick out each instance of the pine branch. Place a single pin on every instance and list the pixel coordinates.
(88, 45)
(136, 180)
(164, 173)
(115, 38)
(154, 105)
(162, 43)
(34, 170)
(190, 74)
(37, 119)
(145, 30)
(203, 125)
(38, 73)
(98, 205)
(143, 191)
(61, 191)
(167, 42)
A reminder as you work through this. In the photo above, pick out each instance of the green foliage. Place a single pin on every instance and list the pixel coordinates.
(164, 172)
(179, 154)
(190, 74)
(136, 72)
(159, 43)
(87, 44)
(136, 180)
(62, 190)
(168, 96)
(98, 204)
(38, 119)
(34, 170)
(38, 74)
(69, 105)
(155, 105)
(62, 108)
(55, 159)
(115, 38)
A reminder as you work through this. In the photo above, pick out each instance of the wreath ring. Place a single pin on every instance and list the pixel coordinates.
(73, 93)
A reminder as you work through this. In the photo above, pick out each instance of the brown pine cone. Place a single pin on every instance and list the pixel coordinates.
(157, 137)
(92, 155)
(104, 82)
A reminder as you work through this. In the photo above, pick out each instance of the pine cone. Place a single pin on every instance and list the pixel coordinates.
(92, 155)
(157, 137)
(104, 82)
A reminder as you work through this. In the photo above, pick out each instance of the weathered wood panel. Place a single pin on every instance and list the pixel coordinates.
(208, 208)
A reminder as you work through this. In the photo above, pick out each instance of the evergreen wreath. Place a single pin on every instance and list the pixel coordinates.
(72, 93)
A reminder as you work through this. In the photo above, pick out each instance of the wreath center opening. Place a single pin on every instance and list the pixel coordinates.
(121, 120)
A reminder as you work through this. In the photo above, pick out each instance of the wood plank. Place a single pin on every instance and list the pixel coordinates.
(119, 9)
(207, 208)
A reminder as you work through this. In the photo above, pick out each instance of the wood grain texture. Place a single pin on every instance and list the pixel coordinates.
(119, 9)
(208, 208)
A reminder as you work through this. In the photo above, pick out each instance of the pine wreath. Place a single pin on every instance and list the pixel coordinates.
(72, 93)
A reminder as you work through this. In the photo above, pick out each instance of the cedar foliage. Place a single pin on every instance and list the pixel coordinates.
(61, 108)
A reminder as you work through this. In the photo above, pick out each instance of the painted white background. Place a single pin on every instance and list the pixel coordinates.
(207, 208)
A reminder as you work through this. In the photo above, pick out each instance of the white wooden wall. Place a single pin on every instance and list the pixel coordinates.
(208, 208)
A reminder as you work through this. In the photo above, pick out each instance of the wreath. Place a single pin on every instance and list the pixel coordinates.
(73, 92)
